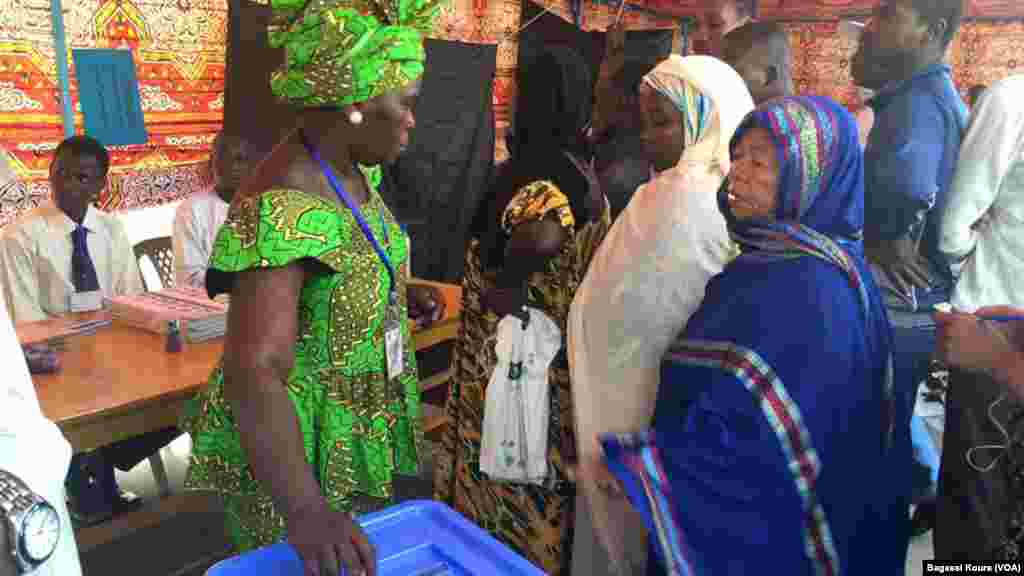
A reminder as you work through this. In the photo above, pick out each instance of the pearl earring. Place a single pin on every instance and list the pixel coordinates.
(355, 117)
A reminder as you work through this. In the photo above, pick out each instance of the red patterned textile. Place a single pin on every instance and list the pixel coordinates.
(178, 48)
(982, 53)
(179, 52)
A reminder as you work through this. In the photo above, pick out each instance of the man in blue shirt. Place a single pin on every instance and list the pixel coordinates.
(908, 166)
(913, 147)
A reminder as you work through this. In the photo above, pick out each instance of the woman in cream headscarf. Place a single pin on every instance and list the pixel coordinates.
(650, 272)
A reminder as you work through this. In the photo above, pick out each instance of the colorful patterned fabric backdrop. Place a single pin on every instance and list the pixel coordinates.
(982, 53)
(829, 9)
(178, 48)
(179, 53)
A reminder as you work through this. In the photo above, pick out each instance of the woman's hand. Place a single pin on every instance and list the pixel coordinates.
(901, 262)
(594, 470)
(968, 342)
(41, 359)
(615, 39)
(330, 543)
(426, 304)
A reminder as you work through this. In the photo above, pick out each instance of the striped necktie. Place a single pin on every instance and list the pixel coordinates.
(83, 272)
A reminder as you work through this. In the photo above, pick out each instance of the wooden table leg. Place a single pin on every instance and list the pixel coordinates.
(156, 463)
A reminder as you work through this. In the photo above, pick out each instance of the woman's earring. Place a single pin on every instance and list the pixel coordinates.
(355, 117)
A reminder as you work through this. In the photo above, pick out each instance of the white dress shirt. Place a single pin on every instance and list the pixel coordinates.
(196, 223)
(35, 261)
(33, 448)
(983, 221)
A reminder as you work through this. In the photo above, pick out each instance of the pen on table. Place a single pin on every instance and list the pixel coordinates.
(945, 308)
(438, 570)
(999, 318)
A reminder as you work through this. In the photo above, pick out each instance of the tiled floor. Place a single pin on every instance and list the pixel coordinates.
(920, 550)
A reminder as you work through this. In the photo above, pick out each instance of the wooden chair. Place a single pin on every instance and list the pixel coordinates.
(435, 421)
(161, 254)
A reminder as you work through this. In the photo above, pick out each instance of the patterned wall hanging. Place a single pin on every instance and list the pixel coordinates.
(178, 49)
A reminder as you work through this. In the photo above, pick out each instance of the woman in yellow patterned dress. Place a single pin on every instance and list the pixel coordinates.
(315, 406)
(532, 241)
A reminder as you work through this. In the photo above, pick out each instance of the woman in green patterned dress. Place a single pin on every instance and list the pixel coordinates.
(315, 406)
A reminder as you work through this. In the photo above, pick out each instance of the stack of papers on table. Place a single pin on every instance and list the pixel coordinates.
(200, 318)
(54, 330)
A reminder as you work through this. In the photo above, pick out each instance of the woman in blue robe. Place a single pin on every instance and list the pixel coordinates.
(772, 449)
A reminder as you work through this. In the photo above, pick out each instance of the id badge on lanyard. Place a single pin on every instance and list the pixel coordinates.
(393, 352)
(393, 348)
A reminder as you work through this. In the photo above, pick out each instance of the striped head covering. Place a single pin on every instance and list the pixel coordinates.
(669, 78)
(821, 176)
(819, 217)
(820, 208)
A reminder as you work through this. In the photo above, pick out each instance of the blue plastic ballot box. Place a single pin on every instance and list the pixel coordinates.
(416, 538)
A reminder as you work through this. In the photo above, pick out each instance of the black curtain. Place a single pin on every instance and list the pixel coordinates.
(619, 158)
(644, 48)
(436, 185)
(551, 30)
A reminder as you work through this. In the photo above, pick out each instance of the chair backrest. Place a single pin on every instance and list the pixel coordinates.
(161, 253)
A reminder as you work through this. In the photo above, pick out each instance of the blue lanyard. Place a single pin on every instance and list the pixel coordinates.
(339, 189)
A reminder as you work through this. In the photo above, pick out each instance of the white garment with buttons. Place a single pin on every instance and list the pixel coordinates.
(983, 220)
(514, 444)
(33, 448)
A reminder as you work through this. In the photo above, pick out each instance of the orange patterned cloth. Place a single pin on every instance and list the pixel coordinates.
(178, 49)
(981, 53)
(536, 202)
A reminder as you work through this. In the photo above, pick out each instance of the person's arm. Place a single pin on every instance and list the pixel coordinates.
(190, 260)
(905, 174)
(1010, 373)
(995, 348)
(257, 362)
(19, 281)
(609, 93)
(865, 121)
(989, 151)
(7, 567)
(127, 279)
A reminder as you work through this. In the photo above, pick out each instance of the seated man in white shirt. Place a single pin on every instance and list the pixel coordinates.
(67, 248)
(200, 216)
(64, 255)
(33, 452)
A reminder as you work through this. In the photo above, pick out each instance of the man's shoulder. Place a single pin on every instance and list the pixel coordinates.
(924, 114)
(934, 94)
(202, 201)
(107, 224)
(28, 225)
(107, 220)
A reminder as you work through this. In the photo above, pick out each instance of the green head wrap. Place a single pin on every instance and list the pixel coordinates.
(338, 52)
